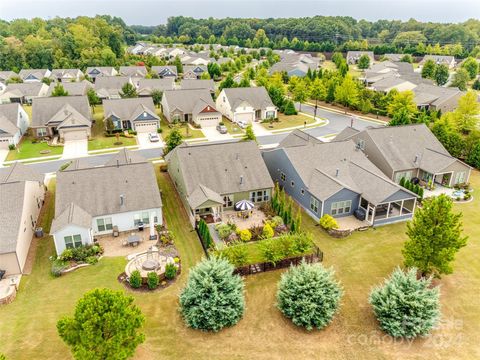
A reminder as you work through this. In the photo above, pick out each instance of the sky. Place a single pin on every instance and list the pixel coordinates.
(151, 12)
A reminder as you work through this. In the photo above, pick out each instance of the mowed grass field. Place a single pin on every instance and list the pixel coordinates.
(27, 326)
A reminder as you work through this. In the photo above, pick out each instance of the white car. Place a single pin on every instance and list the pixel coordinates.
(153, 137)
(242, 124)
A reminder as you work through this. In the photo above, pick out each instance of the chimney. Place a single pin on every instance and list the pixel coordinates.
(336, 172)
(122, 200)
(241, 179)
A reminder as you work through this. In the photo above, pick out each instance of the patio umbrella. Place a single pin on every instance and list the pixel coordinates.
(244, 205)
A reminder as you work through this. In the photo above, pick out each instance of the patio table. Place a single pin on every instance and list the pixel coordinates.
(133, 239)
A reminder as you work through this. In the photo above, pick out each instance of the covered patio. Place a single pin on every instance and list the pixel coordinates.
(387, 212)
(120, 245)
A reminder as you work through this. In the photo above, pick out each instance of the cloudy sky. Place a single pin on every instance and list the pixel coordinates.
(153, 12)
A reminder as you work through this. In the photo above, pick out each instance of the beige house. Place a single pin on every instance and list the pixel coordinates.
(22, 193)
(212, 178)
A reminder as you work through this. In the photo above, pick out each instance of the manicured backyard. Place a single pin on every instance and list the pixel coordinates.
(360, 261)
(287, 121)
(98, 139)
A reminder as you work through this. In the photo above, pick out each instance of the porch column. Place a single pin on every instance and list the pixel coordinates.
(388, 209)
(401, 208)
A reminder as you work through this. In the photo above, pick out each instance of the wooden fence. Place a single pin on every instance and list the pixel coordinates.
(251, 269)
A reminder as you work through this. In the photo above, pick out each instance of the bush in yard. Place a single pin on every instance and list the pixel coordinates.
(402, 182)
(57, 267)
(92, 260)
(205, 235)
(406, 306)
(267, 232)
(276, 221)
(152, 280)
(213, 297)
(170, 271)
(272, 251)
(309, 295)
(289, 108)
(245, 235)
(105, 325)
(224, 230)
(327, 222)
(237, 255)
(66, 255)
(135, 279)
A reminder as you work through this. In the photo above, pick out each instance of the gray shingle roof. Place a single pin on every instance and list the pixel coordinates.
(19, 172)
(27, 89)
(198, 84)
(187, 100)
(37, 73)
(103, 70)
(5, 75)
(73, 88)
(326, 168)
(106, 86)
(161, 69)
(221, 168)
(72, 215)
(97, 190)
(128, 109)
(134, 71)
(9, 118)
(146, 86)
(45, 109)
(255, 96)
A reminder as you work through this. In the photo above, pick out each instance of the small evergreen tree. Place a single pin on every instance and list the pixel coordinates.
(173, 139)
(404, 306)
(105, 325)
(289, 108)
(59, 90)
(153, 280)
(309, 295)
(363, 62)
(135, 279)
(213, 297)
(157, 97)
(402, 182)
(128, 91)
(249, 134)
(435, 236)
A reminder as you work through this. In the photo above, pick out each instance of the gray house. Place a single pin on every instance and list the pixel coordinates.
(133, 71)
(109, 87)
(193, 71)
(94, 72)
(24, 93)
(14, 123)
(198, 84)
(336, 178)
(137, 114)
(408, 151)
(145, 87)
(66, 75)
(165, 71)
(211, 178)
(34, 75)
(354, 56)
(73, 88)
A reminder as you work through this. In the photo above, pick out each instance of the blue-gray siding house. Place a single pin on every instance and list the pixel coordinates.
(336, 179)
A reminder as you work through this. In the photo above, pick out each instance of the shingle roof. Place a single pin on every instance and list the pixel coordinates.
(128, 109)
(27, 89)
(186, 100)
(146, 86)
(5, 75)
(9, 118)
(326, 168)
(103, 70)
(255, 96)
(97, 190)
(38, 73)
(73, 88)
(221, 168)
(110, 85)
(134, 71)
(60, 73)
(19, 172)
(72, 215)
(161, 69)
(44, 109)
(198, 84)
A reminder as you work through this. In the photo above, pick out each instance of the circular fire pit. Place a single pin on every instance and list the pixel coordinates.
(150, 265)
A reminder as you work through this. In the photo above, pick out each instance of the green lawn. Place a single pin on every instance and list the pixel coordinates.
(287, 121)
(98, 139)
(26, 150)
(232, 128)
(360, 261)
(192, 133)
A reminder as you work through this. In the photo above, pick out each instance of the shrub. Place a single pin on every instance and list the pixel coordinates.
(135, 279)
(309, 295)
(302, 243)
(237, 255)
(327, 222)
(289, 108)
(256, 231)
(57, 267)
(276, 221)
(245, 235)
(92, 260)
(402, 182)
(11, 147)
(232, 237)
(213, 297)
(224, 230)
(405, 306)
(170, 271)
(271, 251)
(281, 229)
(159, 130)
(153, 279)
(467, 196)
(267, 231)
(66, 255)
(205, 235)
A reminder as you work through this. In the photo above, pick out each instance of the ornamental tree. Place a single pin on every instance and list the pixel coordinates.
(309, 295)
(173, 139)
(406, 306)
(435, 236)
(128, 91)
(249, 134)
(105, 325)
(213, 297)
(59, 90)
(363, 62)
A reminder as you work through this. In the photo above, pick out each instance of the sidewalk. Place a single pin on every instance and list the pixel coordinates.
(363, 117)
(318, 122)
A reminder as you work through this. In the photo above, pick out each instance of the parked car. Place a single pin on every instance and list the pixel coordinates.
(153, 137)
(242, 124)
(222, 129)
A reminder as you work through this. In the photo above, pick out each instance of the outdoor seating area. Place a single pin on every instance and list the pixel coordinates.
(244, 219)
(350, 223)
(150, 260)
(125, 243)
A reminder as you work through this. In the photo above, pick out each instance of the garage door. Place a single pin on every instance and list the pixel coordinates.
(208, 121)
(4, 144)
(146, 127)
(75, 135)
(247, 117)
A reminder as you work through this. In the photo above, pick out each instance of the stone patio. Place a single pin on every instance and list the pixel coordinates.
(114, 246)
(350, 223)
(256, 219)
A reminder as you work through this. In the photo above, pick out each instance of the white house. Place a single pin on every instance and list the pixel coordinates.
(91, 201)
(22, 193)
(246, 104)
(14, 123)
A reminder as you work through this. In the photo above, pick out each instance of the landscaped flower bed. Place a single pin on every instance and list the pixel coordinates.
(74, 258)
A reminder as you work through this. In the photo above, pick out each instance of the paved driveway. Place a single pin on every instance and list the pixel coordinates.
(145, 143)
(212, 134)
(75, 149)
(259, 130)
(3, 155)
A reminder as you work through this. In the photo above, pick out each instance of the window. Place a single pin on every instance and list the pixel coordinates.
(341, 207)
(73, 241)
(155, 217)
(270, 114)
(41, 132)
(460, 177)
(104, 224)
(228, 201)
(283, 177)
(136, 219)
(259, 196)
(145, 217)
(314, 203)
(361, 144)
(292, 184)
